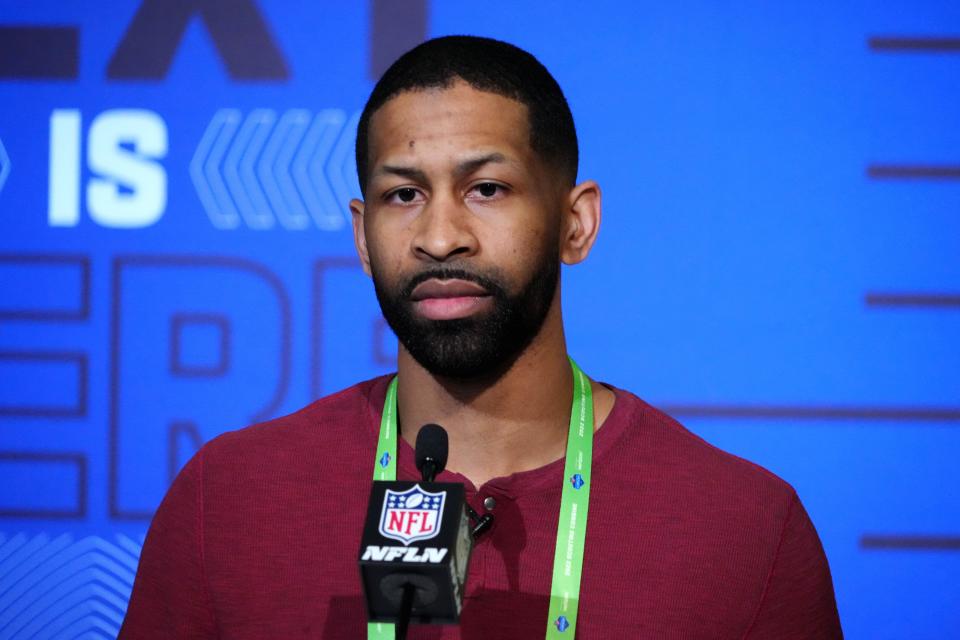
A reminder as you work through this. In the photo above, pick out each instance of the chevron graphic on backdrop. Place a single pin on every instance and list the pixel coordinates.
(64, 588)
(296, 169)
(4, 165)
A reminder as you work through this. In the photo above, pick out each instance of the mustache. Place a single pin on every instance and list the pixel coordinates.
(452, 273)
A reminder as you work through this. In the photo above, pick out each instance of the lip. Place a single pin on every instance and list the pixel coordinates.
(449, 299)
(453, 288)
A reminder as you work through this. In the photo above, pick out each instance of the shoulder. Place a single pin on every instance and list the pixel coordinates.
(688, 494)
(697, 515)
(659, 449)
(344, 419)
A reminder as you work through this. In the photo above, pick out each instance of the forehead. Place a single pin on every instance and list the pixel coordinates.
(446, 122)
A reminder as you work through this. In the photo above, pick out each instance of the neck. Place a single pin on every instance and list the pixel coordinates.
(514, 422)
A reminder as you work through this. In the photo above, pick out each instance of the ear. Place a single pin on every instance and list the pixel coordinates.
(359, 235)
(581, 222)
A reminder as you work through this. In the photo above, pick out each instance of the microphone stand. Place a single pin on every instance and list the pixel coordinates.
(406, 607)
(428, 473)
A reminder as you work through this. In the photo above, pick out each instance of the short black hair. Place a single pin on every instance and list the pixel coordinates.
(486, 65)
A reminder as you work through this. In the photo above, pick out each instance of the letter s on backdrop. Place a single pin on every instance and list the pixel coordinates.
(131, 190)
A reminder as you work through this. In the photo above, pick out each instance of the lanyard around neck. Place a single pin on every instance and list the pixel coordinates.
(574, 500)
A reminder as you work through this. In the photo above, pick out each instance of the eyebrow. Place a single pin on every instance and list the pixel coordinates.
(463, 168)
(470, 165)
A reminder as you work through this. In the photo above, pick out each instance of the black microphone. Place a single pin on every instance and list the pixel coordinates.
(416, 543)
(431, 451)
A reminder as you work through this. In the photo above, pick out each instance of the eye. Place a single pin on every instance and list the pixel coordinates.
(403, 195)
(488, 190)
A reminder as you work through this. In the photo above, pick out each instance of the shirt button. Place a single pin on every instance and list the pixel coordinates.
(489, 503)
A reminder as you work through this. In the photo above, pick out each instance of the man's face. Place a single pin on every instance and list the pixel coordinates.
(461, 227)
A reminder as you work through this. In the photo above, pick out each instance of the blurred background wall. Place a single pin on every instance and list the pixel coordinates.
(778, 265)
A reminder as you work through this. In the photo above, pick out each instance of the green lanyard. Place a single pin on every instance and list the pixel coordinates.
(572, 524)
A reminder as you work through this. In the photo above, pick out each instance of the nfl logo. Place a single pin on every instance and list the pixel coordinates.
(411, 515)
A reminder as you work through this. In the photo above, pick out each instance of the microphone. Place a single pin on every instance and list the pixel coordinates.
(422, 578)
(431, 451)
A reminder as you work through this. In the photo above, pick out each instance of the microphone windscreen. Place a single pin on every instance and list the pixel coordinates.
(431, 443)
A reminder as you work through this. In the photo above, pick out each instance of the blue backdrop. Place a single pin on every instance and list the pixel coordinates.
(778, 263)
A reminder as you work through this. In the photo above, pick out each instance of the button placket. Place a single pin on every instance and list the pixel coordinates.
(477, 570)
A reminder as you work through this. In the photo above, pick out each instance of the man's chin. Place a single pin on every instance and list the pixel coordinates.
(462, 370)
(451, 350)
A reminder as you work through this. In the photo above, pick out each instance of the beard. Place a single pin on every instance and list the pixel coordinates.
(481, 345)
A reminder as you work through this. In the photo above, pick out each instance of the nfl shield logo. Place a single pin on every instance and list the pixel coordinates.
(411, 515)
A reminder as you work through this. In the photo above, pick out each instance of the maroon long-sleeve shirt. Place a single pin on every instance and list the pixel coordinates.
(259, 535)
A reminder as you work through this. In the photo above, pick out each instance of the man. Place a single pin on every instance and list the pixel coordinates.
(467, 158)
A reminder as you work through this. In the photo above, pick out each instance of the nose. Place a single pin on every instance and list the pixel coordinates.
(444, 232)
